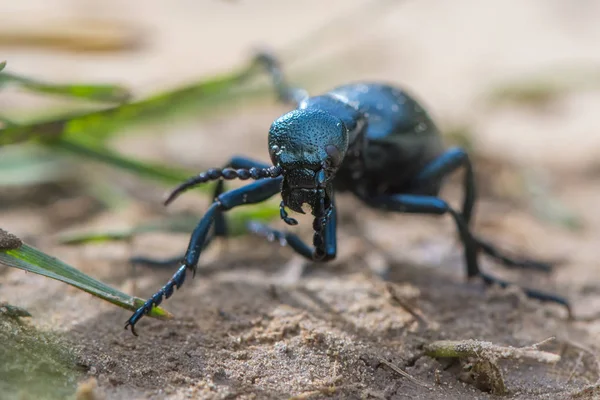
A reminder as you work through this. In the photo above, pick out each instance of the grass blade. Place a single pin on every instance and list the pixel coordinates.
(22, 166)
(168, 175)
(155, 171)
(45, 130)
(102, 124)
(93, 92)
(14, 253)
(179, 225)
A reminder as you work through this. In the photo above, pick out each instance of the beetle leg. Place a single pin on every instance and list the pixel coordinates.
(286, 93)
(512, 262)
(449, 162)
(255, 192)
(416, 204)
(156, 262)
(219, 224)
(325, 247)
(445, 164)
(170, 261)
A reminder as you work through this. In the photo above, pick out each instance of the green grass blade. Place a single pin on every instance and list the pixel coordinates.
(98, 237)
(45, 130)
(155, 171)
(2, 65)
(161, 173)
(93, 92)
(180, 225)
(14, 253)
(6, 121)
(102, 124)
(26, 165)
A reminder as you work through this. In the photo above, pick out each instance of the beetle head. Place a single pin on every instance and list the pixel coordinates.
(309, 145)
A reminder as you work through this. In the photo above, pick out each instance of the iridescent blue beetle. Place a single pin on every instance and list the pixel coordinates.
(370, 139)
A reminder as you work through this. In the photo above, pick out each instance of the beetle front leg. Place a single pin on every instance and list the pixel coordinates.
(416, 204)
(449, 162)
(161, 263)
(219, 224)
(253, 193)
(156, 262)
(323, 249)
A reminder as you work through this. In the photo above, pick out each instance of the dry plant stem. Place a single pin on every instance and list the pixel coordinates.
(402, 373)
(578, 363)
(488, 350)
(589, 351)
(416, 313)
(537, 345)
(327, 391)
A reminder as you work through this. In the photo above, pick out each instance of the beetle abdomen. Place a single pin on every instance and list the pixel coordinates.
(401, 137)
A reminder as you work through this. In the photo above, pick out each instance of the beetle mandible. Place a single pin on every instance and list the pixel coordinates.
(370, 139)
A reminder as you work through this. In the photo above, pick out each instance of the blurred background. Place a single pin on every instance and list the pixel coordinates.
(450, 55)
(516, 83)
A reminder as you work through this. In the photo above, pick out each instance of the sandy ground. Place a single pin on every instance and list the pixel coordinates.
(249, 326)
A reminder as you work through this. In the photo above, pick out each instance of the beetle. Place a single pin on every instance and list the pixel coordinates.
(372, 140)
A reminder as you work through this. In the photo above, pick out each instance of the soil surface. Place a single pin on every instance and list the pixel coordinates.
(259, 323)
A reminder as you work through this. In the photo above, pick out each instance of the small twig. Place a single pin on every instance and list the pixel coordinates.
(326, 390)
(414, 311)
(577, 365)
(537, 345)
(488, 350)
(589, 351)
(402, 373)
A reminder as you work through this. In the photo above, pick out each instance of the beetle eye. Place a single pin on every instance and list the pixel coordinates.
(334, 155)
(274, 153)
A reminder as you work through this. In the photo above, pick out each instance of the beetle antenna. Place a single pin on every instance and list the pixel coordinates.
(214, 174)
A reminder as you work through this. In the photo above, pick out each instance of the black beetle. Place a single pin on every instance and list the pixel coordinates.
(370, 139)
